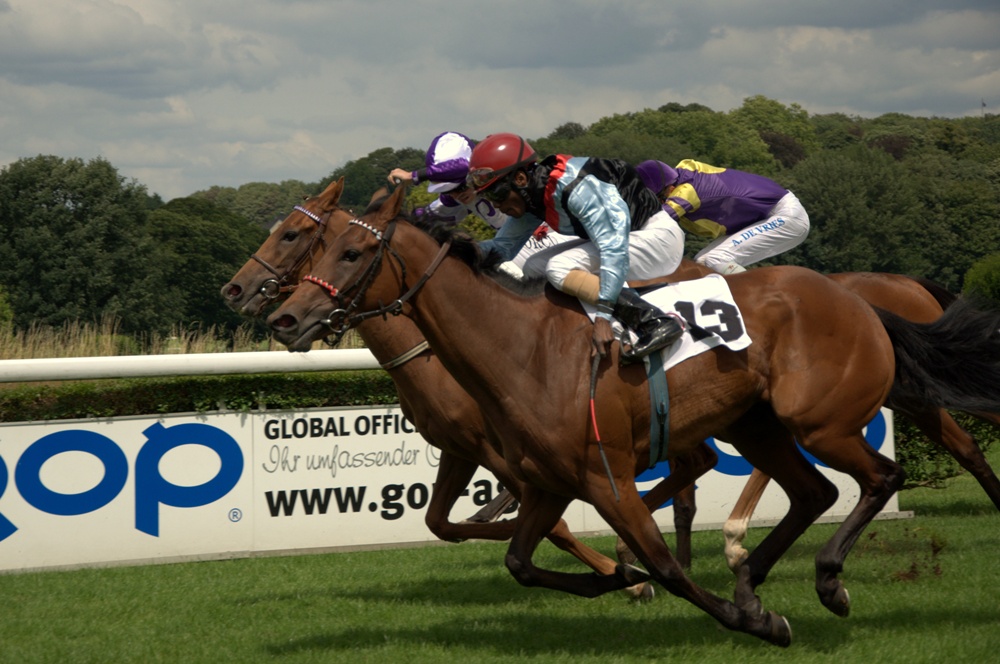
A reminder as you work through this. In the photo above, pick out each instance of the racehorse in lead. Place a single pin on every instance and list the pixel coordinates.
(820, 366)
(301, 239)
(438, 407)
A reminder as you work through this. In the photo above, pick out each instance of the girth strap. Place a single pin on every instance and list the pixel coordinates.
(659, 408)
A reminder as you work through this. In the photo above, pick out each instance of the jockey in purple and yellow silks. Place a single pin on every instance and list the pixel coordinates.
(750, 216)
(623, 233)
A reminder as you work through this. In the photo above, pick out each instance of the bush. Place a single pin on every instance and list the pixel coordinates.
(983, 278)
(929, 464)
(156, 396)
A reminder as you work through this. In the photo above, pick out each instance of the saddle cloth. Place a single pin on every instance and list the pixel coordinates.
(709, 311)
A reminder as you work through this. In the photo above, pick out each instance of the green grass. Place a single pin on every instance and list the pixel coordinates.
(922, 590)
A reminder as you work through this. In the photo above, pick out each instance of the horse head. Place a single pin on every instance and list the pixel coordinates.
(345, 283)
(288, 253)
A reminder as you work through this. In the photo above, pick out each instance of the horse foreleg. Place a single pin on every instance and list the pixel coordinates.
(539, 514)
(453, 476)
(631, 519)
(736, 526)
(685, 508)
(679, 485)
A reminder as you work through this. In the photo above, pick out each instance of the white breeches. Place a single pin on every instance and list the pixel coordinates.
(785, 228)
(654, 251)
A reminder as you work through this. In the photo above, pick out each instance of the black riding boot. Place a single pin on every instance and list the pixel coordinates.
(654, 328)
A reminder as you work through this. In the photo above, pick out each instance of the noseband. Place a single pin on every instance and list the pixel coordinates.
(273, 288)
(361, 285)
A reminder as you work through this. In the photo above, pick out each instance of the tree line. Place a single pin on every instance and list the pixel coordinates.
(895, 193)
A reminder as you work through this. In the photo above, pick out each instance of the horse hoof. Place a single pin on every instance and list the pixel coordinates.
(840, 603)
(641, 593)
(781, 631)
(632, 574)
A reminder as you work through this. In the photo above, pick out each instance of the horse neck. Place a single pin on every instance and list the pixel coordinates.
(390, 338)
(487, 337)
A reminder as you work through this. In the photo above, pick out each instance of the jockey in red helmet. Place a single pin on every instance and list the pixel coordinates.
(603, 201)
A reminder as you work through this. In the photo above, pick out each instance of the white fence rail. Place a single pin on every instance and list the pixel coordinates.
(193, 364)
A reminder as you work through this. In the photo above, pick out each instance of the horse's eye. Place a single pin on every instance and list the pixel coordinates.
(290, 236)
(351, 255)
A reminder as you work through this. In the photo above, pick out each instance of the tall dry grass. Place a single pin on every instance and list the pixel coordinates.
(104, 338)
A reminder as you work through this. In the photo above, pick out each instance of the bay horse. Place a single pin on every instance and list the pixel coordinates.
(915, 299)
(442, 412)
(287, 255)
(821, 364)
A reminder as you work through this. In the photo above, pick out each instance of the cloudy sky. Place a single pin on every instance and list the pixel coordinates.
(185, 94)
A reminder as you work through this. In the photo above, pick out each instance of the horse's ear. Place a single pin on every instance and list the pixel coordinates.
(382, 191)
(391, 207)
(331, 195)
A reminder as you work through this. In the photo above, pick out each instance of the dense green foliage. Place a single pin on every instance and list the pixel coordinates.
(80, 243)
(262, 203)
(202, 245)
(894, 193)
(76, 245)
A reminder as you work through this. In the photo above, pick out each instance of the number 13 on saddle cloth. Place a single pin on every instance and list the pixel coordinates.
(708, 309)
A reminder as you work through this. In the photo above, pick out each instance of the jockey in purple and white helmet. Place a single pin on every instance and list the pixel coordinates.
(447, 166)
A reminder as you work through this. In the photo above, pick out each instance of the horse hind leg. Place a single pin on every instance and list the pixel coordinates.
(769, 446)
(879, 478)
(738, 523)
(942, 429)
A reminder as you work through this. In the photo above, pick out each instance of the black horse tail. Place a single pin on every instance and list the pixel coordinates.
(952, 363)
(943, 296)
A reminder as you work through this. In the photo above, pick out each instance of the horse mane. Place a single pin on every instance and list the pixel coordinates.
(467, 249)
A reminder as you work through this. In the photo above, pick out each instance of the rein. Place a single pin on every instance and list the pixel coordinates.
(364, 282)
(272, 289)
(595, 363)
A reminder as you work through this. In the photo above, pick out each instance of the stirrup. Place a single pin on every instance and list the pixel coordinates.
(668, 330)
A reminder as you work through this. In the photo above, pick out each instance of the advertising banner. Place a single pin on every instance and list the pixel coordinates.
(189, 487)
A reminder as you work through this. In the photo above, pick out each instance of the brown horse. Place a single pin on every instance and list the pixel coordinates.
(301, 239)
(916, 300)
(820, 366)
(440, 410)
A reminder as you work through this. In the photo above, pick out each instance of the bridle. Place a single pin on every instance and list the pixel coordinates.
(278, 285)
(347, 313)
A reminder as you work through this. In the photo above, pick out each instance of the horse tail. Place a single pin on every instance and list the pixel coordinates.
(943, 296)
(953, 362)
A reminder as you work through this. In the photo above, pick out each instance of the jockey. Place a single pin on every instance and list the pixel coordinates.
(446, 173)
(447, 167)
(622, 232)
(750, 216)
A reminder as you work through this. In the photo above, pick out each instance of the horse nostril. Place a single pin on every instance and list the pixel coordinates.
(283, 322)
(233, 291)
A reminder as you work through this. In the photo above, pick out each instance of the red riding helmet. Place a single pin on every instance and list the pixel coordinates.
(497, 155)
